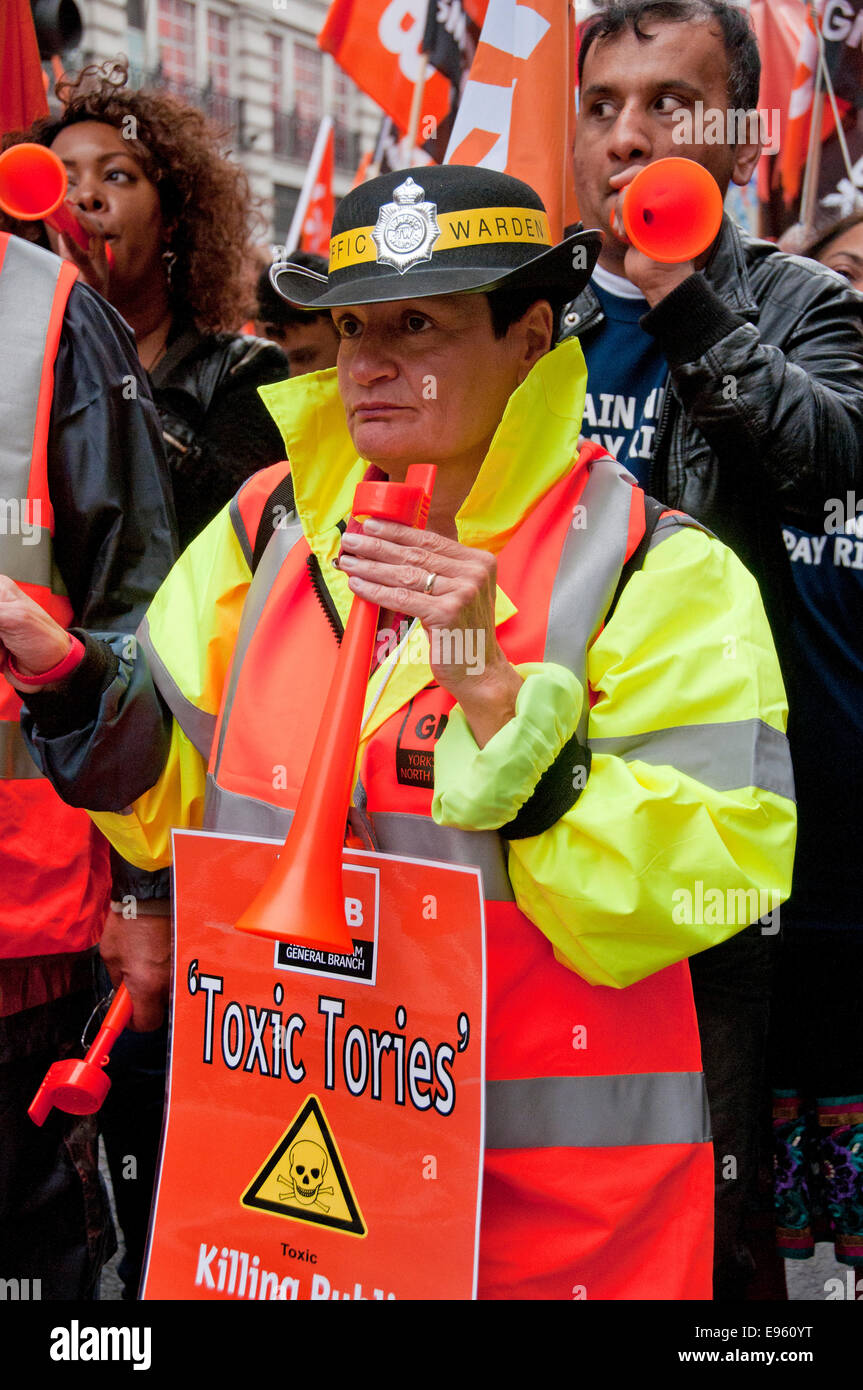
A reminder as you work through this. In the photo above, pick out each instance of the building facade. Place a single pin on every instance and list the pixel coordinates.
(255, 67)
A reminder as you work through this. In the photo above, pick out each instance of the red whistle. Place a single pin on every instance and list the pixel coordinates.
(33, 188)
(79, 1087)
(672, 210)
(303, 900)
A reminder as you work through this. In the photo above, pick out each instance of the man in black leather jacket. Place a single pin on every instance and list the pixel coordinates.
(760, 359)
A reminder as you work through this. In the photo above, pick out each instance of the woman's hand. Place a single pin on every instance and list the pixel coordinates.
(393, 565)
(28, 634)
(93, 265)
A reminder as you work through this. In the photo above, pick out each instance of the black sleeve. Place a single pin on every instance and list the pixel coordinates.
(115, 533)
(215, 445)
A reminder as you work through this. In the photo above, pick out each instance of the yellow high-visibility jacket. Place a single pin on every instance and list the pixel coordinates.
(687, 817)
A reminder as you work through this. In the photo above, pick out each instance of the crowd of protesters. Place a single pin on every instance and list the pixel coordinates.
(738, 379)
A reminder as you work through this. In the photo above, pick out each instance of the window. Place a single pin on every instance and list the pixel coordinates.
(285, 201)
(277, 72)
(308, 70)
(177, 41)
(217, 53)
(343, 99)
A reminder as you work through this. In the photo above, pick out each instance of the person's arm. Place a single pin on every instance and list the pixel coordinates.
(115, 535)
(793, 413)
(687, 776)
(127, 736)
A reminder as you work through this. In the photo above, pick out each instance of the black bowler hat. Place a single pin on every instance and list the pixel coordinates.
(441, 229)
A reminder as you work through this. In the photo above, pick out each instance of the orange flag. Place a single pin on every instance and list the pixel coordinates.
(517, 111)
(795, 144)
(318, 219)
(377, 43)
(22, 90)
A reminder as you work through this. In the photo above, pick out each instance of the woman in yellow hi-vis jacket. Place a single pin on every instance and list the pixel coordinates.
(595, 675)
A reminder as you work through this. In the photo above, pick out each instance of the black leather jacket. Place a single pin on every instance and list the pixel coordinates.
(216, 429)
(763, 418)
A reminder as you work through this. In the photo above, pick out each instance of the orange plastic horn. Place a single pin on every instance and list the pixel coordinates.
(33, 188)
(80, 1087)
(672, 210)
(303, 900)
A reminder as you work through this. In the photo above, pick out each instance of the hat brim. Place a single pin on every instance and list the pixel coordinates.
(558, 267)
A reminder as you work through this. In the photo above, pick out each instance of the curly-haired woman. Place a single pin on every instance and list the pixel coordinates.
(148, 178)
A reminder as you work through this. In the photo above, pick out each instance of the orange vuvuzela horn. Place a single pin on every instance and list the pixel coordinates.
(303, 899)
(33, 188)
(672, 210)
(79, 1087)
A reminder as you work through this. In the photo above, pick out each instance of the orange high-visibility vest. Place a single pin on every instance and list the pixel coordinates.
(598, 1178)
(54, 870)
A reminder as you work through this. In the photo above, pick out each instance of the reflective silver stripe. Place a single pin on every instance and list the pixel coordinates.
(15, 761)
(198, 726)
(26, 559)
(419, 837)
(743, 753)
(591, 1112)
(29, 283)
(590, 564)
(243, 815)
(277, 551)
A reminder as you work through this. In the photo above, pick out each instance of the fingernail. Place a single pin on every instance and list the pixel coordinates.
(372, 525)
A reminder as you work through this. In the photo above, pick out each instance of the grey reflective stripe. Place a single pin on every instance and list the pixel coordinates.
(29, 282)
(744, 753)
(277, 551)
(240, 529)
(591, 1112)
(588, 572)
(198, 726)
(243, 815)
(419, 837)
(28, 559)
(15, 761)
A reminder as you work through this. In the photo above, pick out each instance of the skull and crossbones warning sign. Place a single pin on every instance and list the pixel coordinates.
(304, 1168)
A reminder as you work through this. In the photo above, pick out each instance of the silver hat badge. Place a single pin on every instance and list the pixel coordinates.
(406, 229)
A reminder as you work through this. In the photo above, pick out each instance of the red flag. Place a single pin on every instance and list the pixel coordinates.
(22, 89)
(517, 110)
(377, 42)
(318, 219)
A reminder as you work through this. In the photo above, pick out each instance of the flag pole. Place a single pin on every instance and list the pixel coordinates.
(292, 240)
(416, 106)
(809, 196)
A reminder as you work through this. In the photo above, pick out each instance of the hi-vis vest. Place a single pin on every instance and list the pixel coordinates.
(53, 863)
(598, 1178)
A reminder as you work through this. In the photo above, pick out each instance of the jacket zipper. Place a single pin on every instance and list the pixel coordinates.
(660, 432)
(324, 597)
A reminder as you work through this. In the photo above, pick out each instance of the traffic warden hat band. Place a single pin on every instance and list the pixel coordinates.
(451, 229)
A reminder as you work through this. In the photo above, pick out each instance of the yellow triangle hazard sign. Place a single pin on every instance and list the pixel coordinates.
(304, 1177)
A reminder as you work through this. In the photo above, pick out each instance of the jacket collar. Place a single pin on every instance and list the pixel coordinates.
(533, 446)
